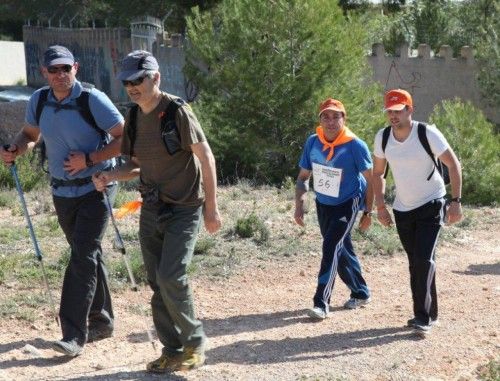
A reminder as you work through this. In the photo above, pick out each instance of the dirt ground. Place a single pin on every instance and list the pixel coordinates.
(258, 329)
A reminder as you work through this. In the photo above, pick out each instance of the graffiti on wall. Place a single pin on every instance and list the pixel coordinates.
(410, 82)
(32, 52)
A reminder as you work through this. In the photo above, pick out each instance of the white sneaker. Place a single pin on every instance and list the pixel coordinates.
(354, 303)
(317, 313)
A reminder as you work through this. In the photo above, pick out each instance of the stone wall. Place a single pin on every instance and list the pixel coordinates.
(430, 79)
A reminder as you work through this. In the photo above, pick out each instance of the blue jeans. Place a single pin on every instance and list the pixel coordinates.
(85, 294)
(336, 223)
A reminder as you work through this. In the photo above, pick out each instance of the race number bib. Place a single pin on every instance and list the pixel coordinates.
(326, 179)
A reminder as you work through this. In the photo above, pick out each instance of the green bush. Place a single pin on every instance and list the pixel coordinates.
(204, 245)
(29, 172)
(477, 146)
(252, 226)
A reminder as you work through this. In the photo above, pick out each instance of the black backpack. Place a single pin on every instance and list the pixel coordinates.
(422, 136)
(169, 130)
(82, 105)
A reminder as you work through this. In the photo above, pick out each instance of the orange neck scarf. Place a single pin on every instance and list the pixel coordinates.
(345, 135)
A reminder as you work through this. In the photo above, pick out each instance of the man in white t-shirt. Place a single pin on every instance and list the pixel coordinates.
(419, 208)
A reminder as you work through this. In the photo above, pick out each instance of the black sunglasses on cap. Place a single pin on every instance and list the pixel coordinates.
(59, 69)
(134, 82)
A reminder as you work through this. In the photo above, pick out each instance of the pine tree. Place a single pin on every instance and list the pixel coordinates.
(262, 66)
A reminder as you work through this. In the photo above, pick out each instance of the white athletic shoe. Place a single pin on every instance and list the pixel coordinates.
(354, 303)
(317, 313)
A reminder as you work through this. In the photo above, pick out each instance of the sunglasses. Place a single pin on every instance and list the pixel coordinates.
(134, 82)
(59, 69)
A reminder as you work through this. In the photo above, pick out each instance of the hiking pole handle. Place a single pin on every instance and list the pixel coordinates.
(120, 240)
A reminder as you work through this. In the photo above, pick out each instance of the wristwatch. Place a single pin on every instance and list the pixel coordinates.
(367, 213)
(88, 161)
(456, 199)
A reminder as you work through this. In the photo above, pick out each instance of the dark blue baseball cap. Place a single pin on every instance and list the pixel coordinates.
(136, 64)
(57, 55)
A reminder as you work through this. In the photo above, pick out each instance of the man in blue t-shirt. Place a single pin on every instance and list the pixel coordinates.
(75, 151)
(341, 166)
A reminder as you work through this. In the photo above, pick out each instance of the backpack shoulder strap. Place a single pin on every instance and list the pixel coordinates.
(385, 139)
(422, 137)
(132, 127)
(172, 108)
(84, 108)
(42, 99)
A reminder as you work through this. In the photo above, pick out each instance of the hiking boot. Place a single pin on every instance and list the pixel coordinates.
(69, 348)
(354, 303)
(193, 358)
(412, 322)
(317, 313)
(99, 333)
(166, 363)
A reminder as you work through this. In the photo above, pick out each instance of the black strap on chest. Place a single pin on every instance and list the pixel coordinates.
(422, 137)
(82, 106)
(167, 120)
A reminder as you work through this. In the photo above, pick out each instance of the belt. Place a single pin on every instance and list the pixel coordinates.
(56, 183)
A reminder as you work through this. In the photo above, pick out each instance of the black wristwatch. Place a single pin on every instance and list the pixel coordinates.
(367, 213)
(88, 161)
(456, 199)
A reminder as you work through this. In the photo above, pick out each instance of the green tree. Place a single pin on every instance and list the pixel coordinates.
(477, 146)
(262, 67)
(431, 22)
(476, 23)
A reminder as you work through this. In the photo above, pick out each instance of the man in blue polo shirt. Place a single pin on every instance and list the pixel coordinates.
(341, 166)
(76, 149)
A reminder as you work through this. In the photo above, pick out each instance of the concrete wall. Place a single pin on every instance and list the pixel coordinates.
(171, 58)
(98, 51)
(13, 61)
(430, 79)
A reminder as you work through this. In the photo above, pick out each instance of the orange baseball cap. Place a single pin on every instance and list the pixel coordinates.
(397, 100)
(331, 104)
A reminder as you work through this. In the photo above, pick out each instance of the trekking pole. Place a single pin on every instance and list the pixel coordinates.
(119, 245)
(38, 253)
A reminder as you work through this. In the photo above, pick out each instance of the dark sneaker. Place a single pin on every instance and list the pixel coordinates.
(193, 358)
(166, 363)
(99, 333)
(354, 303)
(69, 348)
(412, 322)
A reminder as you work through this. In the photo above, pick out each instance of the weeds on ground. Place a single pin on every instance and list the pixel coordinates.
(8, 198)
(490, 371)
(118, 269)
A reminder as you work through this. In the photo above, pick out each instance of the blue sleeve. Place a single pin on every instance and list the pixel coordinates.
(305, 159)
(362, 156)
(30, 114)
(104, 111)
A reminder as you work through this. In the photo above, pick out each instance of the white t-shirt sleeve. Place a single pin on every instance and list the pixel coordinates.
(377, 145)
(437, 141)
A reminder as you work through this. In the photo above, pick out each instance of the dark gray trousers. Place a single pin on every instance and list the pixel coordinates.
(168, 235)
(85, 297)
